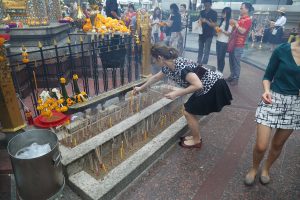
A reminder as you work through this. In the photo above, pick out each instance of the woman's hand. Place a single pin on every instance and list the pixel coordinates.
(136, 90)
(203, 20)
(171, 95)
(267, 97)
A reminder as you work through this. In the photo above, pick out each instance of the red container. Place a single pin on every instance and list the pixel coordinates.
(5, 36)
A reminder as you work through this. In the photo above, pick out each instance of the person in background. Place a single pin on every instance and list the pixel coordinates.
(210, 92)
(223, 37)
(85, 11)
(242, 26)
(208, 18)
(257, 34)
(111, 8)
(101, 9)
(276, 34)
(130, 17)
(174, 23)
(184, 17)
(155, 20)
(279, 108)
(73, 10)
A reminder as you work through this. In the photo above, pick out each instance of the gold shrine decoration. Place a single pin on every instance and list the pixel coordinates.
(10, 118)
(14, 4)
(143, 28)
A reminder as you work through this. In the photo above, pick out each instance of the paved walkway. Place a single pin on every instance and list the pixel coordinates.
(217, 170)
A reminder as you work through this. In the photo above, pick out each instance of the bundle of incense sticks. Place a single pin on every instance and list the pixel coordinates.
(75, 142)
(126, 139)
(145, 135)
(143, 102)
(71, 140)
(91, 162)
(161, 121)
(110, 122)
(137, 107)
(97, 171)
(99, 158)
(112, 153)
(131, 101)
(97, 151)
(122, 151)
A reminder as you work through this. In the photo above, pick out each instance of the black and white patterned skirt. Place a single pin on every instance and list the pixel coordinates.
(284, 112)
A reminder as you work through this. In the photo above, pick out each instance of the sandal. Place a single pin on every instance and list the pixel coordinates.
(198, 145)
(184, 138)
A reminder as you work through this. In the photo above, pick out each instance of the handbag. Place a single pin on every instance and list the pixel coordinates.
(274, 32)
(232, 40)
(197, 28)
(162, 36)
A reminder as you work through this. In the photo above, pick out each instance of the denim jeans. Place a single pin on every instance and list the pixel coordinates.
(176, 42)
(235, 62)
(204, 45)
(221, 48)
(155, 38)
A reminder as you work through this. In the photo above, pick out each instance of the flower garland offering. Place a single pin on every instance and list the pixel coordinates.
(80, 96)
(25, 55)
(68, 100)
(47, 104)
(218, 29)
(105, 25)
(60, 102)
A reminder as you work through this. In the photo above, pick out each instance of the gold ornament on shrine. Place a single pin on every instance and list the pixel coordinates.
(10, 118)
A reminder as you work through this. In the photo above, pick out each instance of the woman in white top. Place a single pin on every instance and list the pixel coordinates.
(155, 19)
(223, 37)
(277, 32)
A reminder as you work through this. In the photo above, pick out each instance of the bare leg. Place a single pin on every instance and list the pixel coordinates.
(261, 145)
(277, 144)
(193, 124)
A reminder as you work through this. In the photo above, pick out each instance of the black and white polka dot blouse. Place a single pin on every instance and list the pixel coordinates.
(183, 66)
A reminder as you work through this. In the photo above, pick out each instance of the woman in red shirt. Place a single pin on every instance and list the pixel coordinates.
(242, 26)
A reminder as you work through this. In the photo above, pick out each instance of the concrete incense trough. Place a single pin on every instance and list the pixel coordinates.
(108, 147)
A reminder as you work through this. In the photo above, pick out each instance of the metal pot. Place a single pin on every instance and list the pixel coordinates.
(41, 177)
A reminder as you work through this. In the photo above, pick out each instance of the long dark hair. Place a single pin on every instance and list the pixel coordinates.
(174, 8)
(164, 51)
(131, 6)
(248, 6)
(227, 11)
(282, 14)
(155, 15)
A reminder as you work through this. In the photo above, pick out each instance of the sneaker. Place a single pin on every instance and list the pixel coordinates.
(229, 79)
(234, 82)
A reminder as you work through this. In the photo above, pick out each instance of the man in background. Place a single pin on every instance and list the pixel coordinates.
(101, 9)
(208, 18)
(111, 8)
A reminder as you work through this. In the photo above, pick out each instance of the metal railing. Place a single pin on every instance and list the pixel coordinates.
(102, 63)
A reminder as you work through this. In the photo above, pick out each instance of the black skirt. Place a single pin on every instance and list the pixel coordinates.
(277, 38)
(213, 101)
